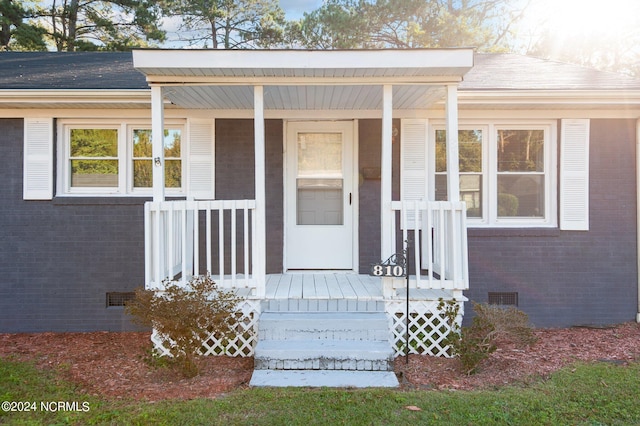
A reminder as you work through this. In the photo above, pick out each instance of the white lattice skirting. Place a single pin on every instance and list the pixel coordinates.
(428, 328)
(242, 345)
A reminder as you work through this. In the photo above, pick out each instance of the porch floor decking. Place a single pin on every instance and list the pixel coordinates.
(338, 285)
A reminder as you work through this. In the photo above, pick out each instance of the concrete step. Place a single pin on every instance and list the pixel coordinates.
(371, 326)
(324, 378)
(322, 305)
(323, 355)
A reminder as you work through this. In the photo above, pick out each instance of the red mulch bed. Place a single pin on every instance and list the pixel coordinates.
(115, 365)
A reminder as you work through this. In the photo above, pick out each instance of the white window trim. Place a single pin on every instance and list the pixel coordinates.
(125, 158)
(490, 175)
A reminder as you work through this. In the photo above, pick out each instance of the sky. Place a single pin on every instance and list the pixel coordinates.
(295, 8)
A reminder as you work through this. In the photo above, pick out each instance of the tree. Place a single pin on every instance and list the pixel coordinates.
(346, 24)
(16, 33)
(101, 25)
(230, 24)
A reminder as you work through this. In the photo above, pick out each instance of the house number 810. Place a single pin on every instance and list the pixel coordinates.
(387, 271)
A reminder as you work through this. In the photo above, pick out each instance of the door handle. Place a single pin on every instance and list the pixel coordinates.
(350, 198)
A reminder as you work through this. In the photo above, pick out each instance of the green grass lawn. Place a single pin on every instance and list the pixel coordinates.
(594, 394)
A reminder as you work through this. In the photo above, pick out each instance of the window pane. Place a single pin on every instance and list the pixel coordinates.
(94, 143)
(173, 174)
(470, 192)
(441, 187)
(319, 154)
(319, 202)
(142, 174)
(469, 150)
(142, 147)
(520, 150)
(142, 143)
(94, 173)
(520, 195)
(172, 141)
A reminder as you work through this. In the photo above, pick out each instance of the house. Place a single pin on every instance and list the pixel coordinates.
(287, 174)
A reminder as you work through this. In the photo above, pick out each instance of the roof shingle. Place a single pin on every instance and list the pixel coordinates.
(114, 71)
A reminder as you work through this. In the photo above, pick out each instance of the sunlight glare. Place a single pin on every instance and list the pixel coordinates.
(575, 18)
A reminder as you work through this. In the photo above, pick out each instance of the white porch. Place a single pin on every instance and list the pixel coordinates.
(227, 238)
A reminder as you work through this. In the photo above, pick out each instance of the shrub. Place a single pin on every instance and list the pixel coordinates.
(492, 326)
(184, 316)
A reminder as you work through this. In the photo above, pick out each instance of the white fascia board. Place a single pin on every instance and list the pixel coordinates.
(156, 63)
(176, 81)
(554, 97)
(60, 96)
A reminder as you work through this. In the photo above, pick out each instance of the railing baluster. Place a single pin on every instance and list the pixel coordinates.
(233, 236)
(441, 244)
(221, 243)
(184, 243)
(464, 248)
(429, 243)
(416, 242)
(169, 237)
(245, 231)
(254, 225)
(148, 246)
(207, 206)
(195, 236)
(453, 252)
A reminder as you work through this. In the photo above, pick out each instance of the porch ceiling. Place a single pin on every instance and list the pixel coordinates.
(351, 97)
(303, 80)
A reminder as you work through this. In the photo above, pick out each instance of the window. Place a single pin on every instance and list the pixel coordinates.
(93, 158)
(142, 161)
(520, 173)
(115, 158)
(507, 172)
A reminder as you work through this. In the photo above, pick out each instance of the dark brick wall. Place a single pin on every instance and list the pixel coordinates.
(369, 158)
(572, 278)
(235, 176)
(58, 258)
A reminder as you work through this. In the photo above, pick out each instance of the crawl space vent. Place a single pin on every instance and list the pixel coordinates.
(503, 298)
(115, 298)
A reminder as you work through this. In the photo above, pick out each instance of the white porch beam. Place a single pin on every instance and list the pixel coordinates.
(259, 239)
(453, 168)
(157, 142)
(386, 214)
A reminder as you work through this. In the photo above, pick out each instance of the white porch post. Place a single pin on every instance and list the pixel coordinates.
(453, 168)
(259, 239)
(387, 231)
(157, 142)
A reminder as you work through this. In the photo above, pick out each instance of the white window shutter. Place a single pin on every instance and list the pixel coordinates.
(38, 159)
(413, 163)
(201, 159)
(574, 175)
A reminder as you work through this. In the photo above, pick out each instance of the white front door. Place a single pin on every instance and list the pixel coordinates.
(319, 195)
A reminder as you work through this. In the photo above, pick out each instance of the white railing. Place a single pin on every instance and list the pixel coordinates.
(188, 238)
(439, 232)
